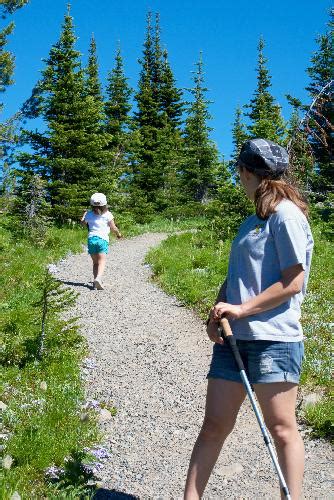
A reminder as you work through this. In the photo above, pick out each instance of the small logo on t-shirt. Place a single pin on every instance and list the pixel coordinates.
(258, 228)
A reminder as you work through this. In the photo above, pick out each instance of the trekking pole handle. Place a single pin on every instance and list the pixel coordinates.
(226, 329)
(230, 339)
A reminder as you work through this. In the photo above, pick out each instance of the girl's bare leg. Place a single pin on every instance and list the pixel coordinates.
(278, 403)
(99, 263)
(223, 401)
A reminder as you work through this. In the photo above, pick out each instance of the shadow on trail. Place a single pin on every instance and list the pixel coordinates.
(78, 283)
(104, 494)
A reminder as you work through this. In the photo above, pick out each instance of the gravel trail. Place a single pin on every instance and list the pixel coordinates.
(149, 356)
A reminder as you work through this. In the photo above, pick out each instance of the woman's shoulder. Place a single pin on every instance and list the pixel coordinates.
(286, 210)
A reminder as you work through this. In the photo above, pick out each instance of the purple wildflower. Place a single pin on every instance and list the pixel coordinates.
(99, 452)
(54, 472)
(92, 468)
(91, 404)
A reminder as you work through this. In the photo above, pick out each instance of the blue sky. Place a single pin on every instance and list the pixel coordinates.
(226, 31)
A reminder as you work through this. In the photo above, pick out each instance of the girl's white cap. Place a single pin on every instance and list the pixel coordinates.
(98, 200)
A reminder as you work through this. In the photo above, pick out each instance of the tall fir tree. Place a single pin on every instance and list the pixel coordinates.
(320, 118)
(239, 133)
(157, 120)
(117, 121)
(201, 155)
(265, 116)
(117, 105)
(145, 176)
(147, 113)
(93, 85)
(239, 136)
(70, 154)
(6, 79)
(9, 127)
(170, 96)
(300, 152)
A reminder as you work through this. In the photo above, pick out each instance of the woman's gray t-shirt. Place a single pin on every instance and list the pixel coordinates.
(260, 252)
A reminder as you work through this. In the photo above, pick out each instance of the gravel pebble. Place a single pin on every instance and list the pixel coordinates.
(149, 357)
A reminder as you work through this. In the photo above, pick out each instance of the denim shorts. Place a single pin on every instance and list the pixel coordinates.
(265, 361)
(97, 245)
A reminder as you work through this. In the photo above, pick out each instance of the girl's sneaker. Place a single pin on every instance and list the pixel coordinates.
(98, 284)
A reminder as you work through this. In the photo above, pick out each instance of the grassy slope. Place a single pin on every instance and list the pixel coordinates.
(44, 425)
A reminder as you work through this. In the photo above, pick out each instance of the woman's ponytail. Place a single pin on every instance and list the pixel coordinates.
(271, 192)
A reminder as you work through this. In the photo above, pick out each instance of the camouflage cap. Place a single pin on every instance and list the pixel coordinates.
(264, 158)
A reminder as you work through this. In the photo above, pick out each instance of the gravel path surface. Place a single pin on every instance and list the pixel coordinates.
(149, 355)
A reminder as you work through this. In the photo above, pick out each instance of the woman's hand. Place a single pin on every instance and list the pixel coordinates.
(230, 311)
(213, 333)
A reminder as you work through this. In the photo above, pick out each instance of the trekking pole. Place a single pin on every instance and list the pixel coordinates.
(230, 339)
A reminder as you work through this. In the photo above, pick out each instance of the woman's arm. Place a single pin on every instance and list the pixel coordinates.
(290, 284)
(212, 325)
(115, 229)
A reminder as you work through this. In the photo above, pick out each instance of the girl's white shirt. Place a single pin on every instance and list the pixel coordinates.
(98, 225)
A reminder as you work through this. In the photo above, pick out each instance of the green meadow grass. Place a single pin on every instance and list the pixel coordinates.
(43, 422)
(192, 266)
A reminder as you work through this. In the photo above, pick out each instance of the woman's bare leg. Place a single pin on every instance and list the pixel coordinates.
(223, 402)
(278, 403)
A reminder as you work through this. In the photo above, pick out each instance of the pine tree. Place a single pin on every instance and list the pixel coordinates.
(201, 155)
(8, 128)
(117, 105)
(147, 114)
(170, 96)
(6, 74)
(146, 174)
(117, 122)
(239, 136)
(32, 209)
(320, 117)
(265, 115)
(300, 153)
(93, 86)
(157, 123)
(70, 154)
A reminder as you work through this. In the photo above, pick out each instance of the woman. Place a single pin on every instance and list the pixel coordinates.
(99, 221)
(266, 282)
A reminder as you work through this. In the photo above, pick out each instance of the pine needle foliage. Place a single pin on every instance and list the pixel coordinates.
(319, 122)
(264, 114)
(73, 149)
(200, 153)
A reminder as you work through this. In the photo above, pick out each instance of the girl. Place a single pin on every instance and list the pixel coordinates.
(99, 221)
(261, 296)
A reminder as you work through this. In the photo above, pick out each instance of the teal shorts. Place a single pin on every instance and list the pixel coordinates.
(97, 245)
